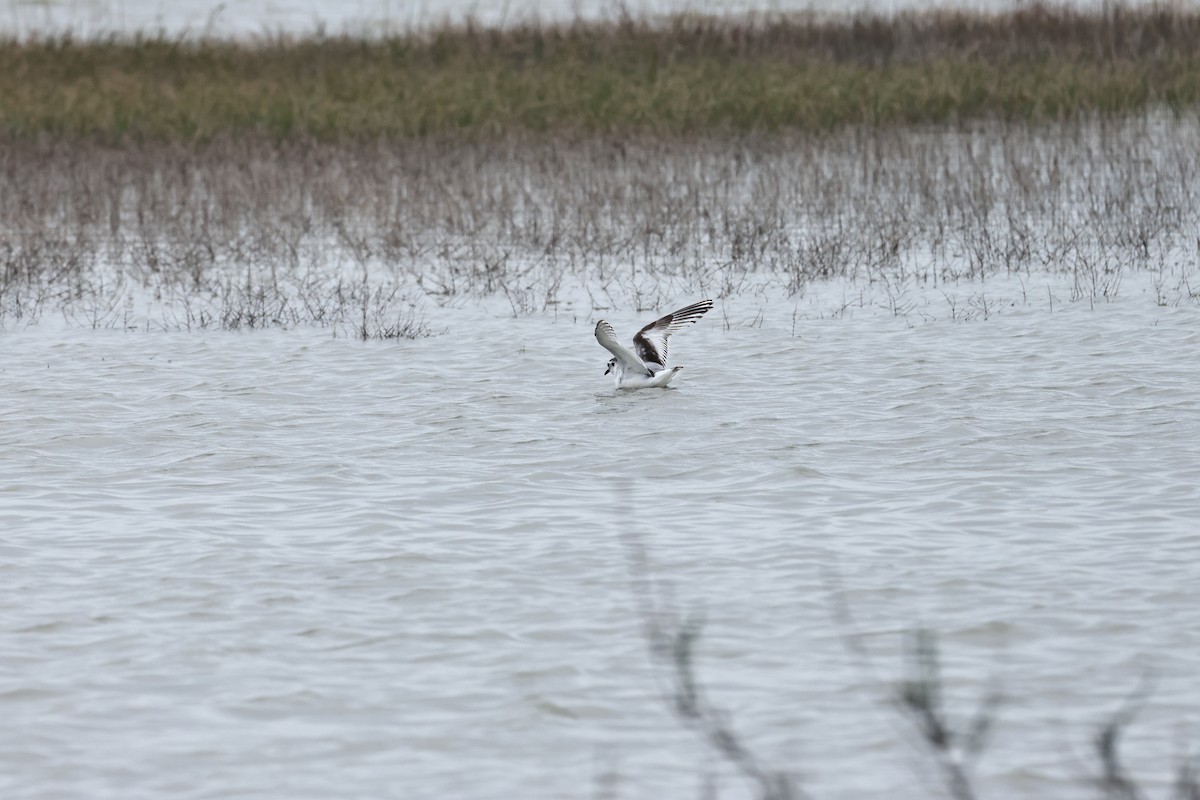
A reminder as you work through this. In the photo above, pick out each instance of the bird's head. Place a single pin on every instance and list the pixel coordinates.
(612, 364)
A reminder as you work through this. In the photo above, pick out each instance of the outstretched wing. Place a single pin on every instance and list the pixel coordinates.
(607, 338)
(651, 341)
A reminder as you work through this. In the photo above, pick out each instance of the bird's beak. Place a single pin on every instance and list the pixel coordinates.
(607, 369)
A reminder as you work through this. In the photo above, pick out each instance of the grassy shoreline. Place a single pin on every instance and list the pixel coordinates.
(675, 77)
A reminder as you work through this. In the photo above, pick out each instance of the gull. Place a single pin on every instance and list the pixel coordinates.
(645, 366)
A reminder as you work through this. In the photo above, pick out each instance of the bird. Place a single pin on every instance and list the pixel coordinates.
(645, 366)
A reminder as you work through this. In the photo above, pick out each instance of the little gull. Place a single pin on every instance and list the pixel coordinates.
(645, 366)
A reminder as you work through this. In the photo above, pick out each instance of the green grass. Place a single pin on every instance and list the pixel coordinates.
(680, 76)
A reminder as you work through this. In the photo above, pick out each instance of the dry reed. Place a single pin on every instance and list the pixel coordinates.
(679, 76)
(246, 233)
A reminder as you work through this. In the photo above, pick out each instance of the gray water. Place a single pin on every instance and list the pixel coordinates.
(282, 564)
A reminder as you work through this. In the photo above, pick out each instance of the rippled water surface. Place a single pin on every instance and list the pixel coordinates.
(280, 564)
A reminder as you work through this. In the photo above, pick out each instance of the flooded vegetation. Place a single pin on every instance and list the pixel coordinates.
(359, 237)
(194, 183)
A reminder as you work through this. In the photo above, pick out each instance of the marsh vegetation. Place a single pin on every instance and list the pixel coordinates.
(349, 183)
(359, 237)
(666, 77)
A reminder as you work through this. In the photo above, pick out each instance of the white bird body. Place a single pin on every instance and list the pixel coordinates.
(659, 379)
(647, 367)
